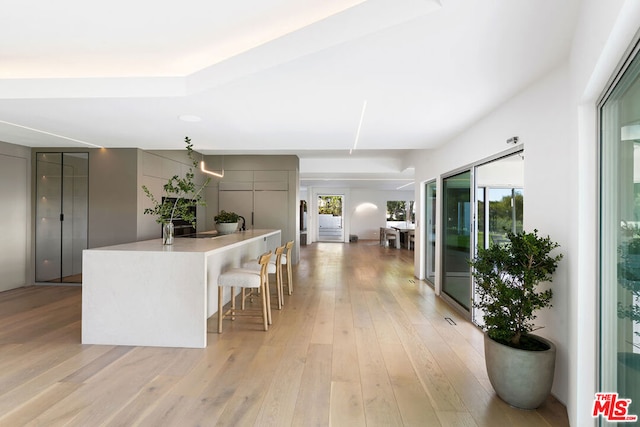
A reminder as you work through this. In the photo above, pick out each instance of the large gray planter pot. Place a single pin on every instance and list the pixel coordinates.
(521, 378)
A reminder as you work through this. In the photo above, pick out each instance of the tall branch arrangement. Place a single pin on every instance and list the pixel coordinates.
(180, 195)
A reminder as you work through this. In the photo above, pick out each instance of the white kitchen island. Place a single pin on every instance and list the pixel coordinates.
(149, 294)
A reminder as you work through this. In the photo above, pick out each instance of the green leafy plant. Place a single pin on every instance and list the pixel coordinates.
(180, 195)
(507, 277)
(225, 217)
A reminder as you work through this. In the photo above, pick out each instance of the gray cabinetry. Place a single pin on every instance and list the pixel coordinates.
(261, 197)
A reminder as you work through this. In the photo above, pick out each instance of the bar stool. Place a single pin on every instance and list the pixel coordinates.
(287, 259)
(274, 267)
(246, 279)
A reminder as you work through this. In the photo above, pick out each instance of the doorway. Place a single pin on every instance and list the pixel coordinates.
(62, 184)
(330, 218)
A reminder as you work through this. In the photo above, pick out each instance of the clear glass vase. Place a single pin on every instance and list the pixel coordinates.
(167, 233)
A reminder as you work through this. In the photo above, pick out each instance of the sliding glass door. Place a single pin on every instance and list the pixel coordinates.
(620, 238)
(499, 199)
(456, 238)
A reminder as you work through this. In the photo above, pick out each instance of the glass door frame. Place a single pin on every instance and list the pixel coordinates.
(441, 267)
(430, 214)
(69, 220)
(474, 314)
(342, 197)
(609, 222)
(470, 314)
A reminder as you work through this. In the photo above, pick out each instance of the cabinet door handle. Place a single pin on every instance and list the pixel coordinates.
(252, 219)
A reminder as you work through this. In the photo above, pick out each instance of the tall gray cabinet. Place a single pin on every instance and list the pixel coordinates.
(265, 192)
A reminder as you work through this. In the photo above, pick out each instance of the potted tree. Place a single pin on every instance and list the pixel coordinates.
(180, 196)
(226, 222)
(508, 276)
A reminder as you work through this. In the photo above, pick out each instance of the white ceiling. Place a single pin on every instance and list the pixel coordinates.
(279, 76)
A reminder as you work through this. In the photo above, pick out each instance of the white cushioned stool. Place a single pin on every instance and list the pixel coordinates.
(272, 268)
(246, 279)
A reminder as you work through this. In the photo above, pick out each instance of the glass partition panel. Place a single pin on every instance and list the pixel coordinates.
(48, 212)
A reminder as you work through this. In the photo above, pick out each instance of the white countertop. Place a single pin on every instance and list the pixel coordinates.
(190, 244)
(149, 294)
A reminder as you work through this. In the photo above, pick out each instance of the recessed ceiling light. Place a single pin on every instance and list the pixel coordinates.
(190, 118)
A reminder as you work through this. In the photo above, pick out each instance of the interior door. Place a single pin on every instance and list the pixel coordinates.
(61, 215)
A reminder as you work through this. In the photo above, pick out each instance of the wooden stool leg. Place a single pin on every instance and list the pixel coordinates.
(280, 286)
(220, 313)
(233, 303)
(265, 309)
(267, 297)
(289, 279)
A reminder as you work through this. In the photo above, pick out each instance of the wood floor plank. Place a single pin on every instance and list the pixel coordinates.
(243, 407)
(25, 413)
(12, 397)
(110, 389)
(142, 403)
(359, 342)
(344, 364)
(411, 397)
(278, 405)
(456, 419)
(346, 405)
(323, 327)
(381, 407)
(314, 395)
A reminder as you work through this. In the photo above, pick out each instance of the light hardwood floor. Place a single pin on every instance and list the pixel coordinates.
(360, 342)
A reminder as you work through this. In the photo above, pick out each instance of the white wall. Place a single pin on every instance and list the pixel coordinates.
(539, 116)
(15, 244)
(364, 210)
(556, 120)
(368, 210)
(605, 31)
